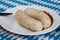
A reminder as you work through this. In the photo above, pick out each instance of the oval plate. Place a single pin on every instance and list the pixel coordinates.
(9, 22)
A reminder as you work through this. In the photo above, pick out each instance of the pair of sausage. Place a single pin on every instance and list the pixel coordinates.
(33, 19)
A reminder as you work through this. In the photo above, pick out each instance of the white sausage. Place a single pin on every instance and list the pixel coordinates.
(28, 22)
(40, 15)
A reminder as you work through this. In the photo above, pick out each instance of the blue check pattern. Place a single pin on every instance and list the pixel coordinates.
(54, 5)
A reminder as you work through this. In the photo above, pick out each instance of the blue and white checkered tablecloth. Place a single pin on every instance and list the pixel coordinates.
(52, 4)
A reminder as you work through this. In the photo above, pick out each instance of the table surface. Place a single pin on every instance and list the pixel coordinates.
(52, 4)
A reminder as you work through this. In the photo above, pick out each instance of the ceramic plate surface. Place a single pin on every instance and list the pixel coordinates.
(9, 22)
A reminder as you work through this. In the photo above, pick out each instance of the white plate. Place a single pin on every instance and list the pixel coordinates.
(9, 22)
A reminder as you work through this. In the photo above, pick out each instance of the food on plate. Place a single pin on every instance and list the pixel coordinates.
(28, 22)
(40, 15)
